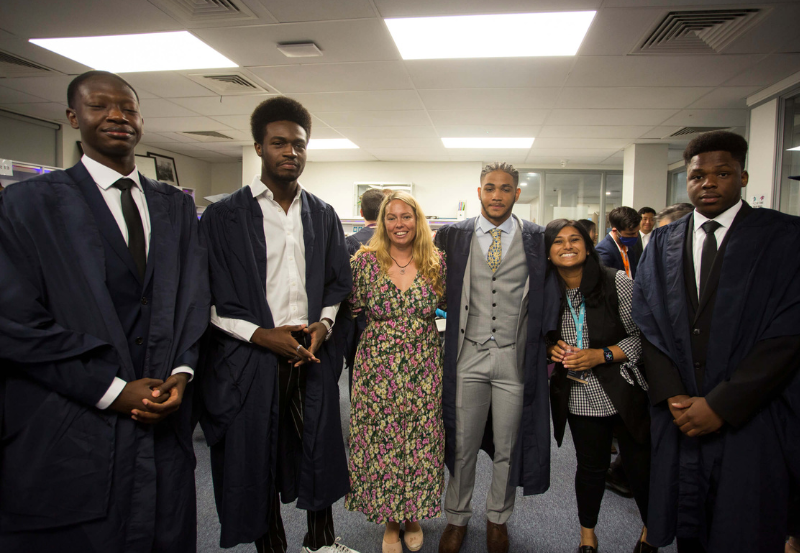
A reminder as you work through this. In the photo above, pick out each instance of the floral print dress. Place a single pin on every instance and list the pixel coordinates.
(396, 429)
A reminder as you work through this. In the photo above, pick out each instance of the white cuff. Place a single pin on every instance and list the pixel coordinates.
(111, 394)
(330, 313)
(184, 369)
(236, 328)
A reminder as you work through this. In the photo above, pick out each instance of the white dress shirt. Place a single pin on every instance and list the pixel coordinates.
(645, 238)
(286, 267)
(725, 219)
(105, 177)
(482, 228)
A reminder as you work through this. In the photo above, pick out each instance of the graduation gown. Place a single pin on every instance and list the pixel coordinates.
(73, 477)
(239, 381)
(530, 463)
(728, 489)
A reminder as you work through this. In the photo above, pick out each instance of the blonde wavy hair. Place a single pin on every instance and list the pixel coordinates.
(426, 255)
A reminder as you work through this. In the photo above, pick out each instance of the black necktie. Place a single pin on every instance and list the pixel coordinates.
(708, 255)
(133, 220)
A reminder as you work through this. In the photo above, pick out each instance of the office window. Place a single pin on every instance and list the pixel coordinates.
(527, 207)
(676, 192)
(790, 157)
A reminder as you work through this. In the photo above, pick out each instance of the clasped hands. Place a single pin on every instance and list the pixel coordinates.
(578, 360)
(280, 341)
(693, 415)
(150, 400)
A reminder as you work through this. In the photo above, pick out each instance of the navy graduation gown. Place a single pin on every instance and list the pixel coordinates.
(73, 477)
(239, 381)
(530, 464)
(729, 489)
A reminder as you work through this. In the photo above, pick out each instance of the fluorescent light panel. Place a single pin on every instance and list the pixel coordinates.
(134, 53)
(483, 142)
(331, 144)
(795, 149)
(490, 36)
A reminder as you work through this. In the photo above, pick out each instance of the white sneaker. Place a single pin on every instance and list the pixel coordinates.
(337, 547)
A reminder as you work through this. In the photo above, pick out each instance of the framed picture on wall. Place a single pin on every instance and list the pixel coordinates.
(165, 168)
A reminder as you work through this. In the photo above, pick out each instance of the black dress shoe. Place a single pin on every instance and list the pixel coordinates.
(587, 549)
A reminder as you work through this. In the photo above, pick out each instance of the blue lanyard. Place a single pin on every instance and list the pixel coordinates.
(578, 320)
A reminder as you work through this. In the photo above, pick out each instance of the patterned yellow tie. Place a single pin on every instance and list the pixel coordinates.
(495, 250)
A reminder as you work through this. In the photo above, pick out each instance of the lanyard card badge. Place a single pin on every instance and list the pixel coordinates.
(578, 319)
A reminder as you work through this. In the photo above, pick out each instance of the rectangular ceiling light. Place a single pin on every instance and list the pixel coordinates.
(795, 149)
(490, 36)
(331, 144)
(482, 142)
(133, 53)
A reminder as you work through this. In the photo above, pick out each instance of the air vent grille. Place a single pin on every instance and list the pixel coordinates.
(199, 11)
(695, 130)
(228, 83)
(208, 134)
(13, 66)
(699, 31)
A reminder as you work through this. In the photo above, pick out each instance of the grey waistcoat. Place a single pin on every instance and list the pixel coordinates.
(495, 298)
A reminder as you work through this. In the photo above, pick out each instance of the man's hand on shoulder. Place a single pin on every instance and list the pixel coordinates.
(696, 418)
(280, 341)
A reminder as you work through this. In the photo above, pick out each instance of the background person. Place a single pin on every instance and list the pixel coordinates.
(370, 206)
(596, 385)
(646, 226)
(591, 228)
(396, 430)
(673, 213)
(621, 248)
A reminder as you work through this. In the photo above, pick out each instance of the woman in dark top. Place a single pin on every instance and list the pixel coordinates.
(596, 385)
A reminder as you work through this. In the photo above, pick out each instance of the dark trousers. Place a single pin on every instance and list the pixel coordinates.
(292, 382)
(690, 545)
(592, 437)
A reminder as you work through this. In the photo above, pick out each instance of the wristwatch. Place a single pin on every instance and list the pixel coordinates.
(608, 355)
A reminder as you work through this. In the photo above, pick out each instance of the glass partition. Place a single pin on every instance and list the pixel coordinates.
(790, 157)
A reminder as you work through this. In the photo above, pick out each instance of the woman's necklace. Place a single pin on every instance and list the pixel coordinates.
(403, 267)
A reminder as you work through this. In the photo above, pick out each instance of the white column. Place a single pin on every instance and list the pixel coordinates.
(251, 164)
(762, 146)
(644, 176)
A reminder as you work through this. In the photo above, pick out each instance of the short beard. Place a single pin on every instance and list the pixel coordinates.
(505, 214)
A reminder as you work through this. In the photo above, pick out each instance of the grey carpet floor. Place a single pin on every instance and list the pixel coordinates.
(546, 523)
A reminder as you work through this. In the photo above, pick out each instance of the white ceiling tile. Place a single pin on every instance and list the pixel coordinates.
(157, 138)
(728, 97)
(709, 118)
(240, 122)
(572, 153)
(674, 155)
(318, 10)
(490, 73)
(339, 41)
(373, 100)
(657, 70)
(584, 143)
(490, 98)
(356, 133)
(594, 131)
(630, 97)
(222, 105)
(338, 155)
(318, 131)
(41, 110)
(407, 154)
(373, 118)
(767, 71)
(615, 32)
(404, 143)
(777, 34)
(660, 132)
(175, 137)
(158, 107)
(167, 84)
(427, 8)
(10, 96)
(335, 77)
(180, 124)
(527, 117)
(499, 131)
(53, 89)
(571, 161)
(488, 155)
(609, 116)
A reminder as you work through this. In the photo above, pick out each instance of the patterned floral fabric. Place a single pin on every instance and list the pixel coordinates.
(396, 429)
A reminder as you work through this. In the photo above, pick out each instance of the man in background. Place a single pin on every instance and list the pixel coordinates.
(673, 213)
(370, 206)
(648, 223)
(621, 249)
(103, 298)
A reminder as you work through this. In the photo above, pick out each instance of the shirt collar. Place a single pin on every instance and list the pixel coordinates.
(485, 226)
(257, 188)
(725, 218)
(105, 176)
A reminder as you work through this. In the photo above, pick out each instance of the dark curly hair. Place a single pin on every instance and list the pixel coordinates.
(717, 141)
(591, 270)
(75, 84)
(279, 108)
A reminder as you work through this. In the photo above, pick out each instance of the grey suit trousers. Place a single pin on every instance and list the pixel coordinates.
(488, 378)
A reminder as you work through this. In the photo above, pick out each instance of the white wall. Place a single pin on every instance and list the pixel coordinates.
(644, 176)
(192, 173)
(225, 177)
(761, 155)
